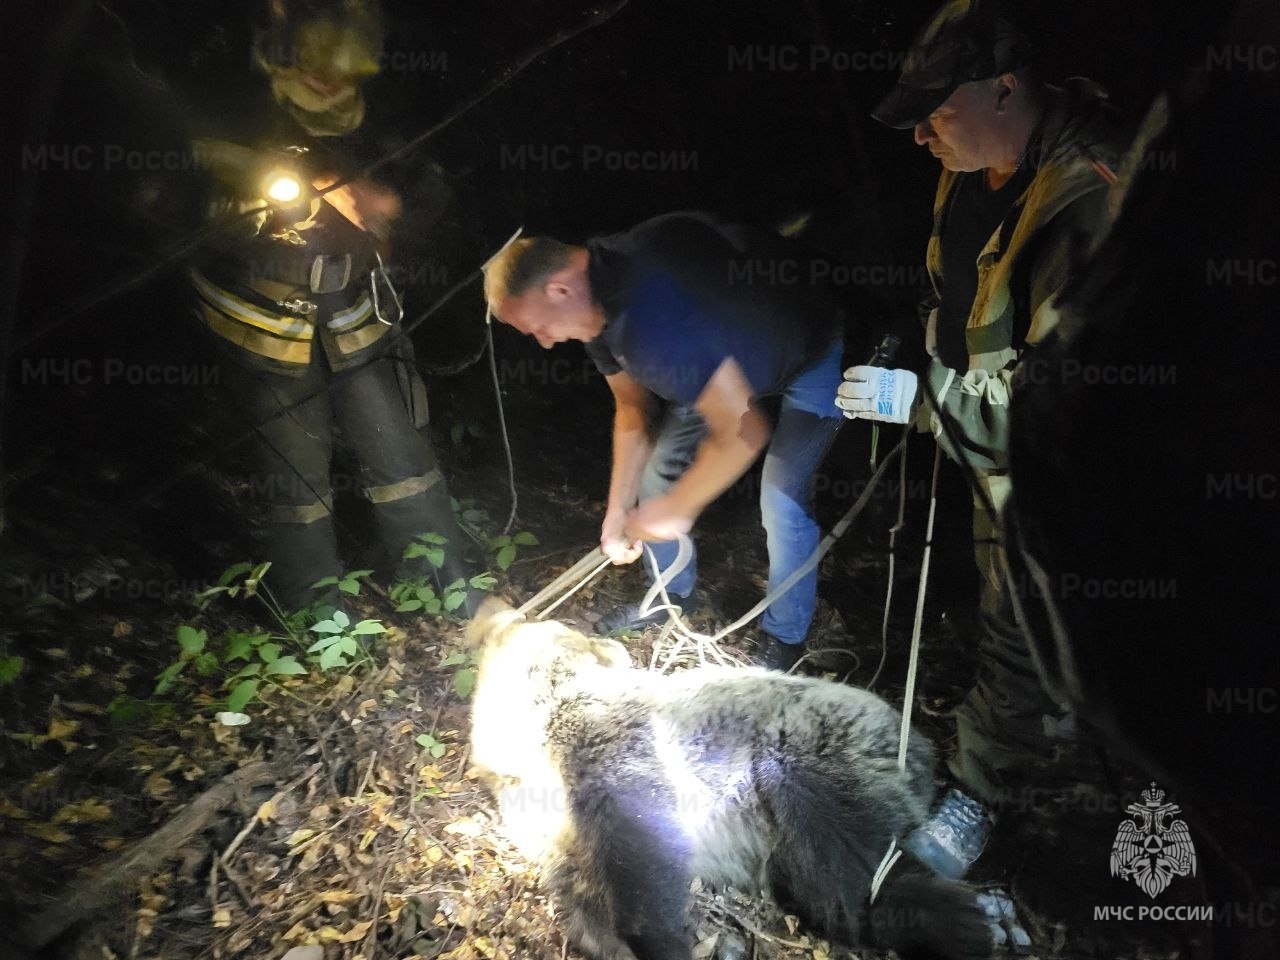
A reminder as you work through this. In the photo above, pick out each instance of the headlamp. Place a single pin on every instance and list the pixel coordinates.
(282, 186)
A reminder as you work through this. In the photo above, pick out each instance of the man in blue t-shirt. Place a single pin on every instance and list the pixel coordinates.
(708, 317)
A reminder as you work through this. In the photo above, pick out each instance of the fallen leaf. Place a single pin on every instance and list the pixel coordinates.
(86, 811)
(12, 812)
(92, 708)
(357, 932)
(267, 810)
(465, 827)
(300, 836)
(47, 832)
(339, 896)
(157, 786)
(121, 629)
(299, 929)
(311, 951)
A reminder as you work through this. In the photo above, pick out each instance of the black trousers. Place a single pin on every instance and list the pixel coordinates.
(297, 421)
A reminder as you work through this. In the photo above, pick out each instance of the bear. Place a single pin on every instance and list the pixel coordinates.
(624, 785)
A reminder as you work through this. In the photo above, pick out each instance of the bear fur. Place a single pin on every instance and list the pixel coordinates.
(624, 785)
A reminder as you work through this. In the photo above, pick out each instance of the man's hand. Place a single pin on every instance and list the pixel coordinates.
(615, 543)
(877, 393)
(368, 205)
(658, 518)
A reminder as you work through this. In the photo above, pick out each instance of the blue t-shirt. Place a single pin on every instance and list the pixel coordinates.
(683, 292)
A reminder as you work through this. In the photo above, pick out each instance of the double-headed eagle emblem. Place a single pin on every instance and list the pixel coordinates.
(1151, 849)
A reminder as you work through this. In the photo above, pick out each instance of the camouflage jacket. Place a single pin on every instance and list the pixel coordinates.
(1022, 268)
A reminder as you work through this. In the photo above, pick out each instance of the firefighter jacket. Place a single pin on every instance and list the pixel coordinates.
(283, 282)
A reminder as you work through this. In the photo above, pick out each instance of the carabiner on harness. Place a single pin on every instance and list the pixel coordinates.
(379, 274)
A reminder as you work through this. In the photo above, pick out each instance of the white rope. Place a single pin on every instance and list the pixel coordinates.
(886, 864)
(893, 538)
(703, 642)
(909, 695)
(497, 387)
(581, 583)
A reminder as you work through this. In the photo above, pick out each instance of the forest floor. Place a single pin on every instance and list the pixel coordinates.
(344, 816)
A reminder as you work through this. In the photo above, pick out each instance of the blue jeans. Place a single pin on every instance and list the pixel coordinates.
(807, 423)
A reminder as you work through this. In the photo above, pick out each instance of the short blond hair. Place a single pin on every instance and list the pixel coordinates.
(525, 263)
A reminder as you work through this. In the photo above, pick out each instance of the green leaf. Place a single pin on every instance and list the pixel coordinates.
(204, 597)
(326, 626)
(425, 740)
(424, 593)
(434, 538)
(409, 606)
(169, 674)
(434, 555)
(525, 539)
(457, 431)
(239, 645)
(464, 681)
(349, 646)
(453, 659)
(269, 652)
(191, 640)
(234, 571)
(475, 516)
(324, 582)
(324, 643)
(438, 750)
(368, 626)
(10, 668)
(341, 619)
(248, 670)
(454, 599)
(251, 582)
(349, 586)
(241, 695)
(505, 556)
(501, 541)
(432, 606)
(287, 666)
(206, 664)
(333, 657)
(483, 581)
(359, 574)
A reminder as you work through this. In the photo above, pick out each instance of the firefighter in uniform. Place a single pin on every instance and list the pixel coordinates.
(298, 298)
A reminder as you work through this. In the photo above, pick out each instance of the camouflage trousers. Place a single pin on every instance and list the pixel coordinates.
(1010, 736)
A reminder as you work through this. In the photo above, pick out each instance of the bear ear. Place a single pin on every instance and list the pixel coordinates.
(494, 615)
(610, 653)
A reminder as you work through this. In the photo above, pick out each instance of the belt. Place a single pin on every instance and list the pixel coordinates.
(325, 273)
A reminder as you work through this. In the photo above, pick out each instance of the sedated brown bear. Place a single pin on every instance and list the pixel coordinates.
(624, 785)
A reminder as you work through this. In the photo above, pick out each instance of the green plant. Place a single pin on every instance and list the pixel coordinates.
(10, 669)
(339, 640)
(464, 679)
(419, 593)
(433, 746)
(261, 657)
(248, 659)
(505, 548)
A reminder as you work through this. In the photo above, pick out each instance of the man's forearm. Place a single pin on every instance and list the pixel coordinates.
(631, 449)
(718, 464)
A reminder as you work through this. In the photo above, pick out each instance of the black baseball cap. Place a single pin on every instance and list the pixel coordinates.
(966, 40)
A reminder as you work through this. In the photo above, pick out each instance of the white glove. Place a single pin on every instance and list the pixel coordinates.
(877, 393)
